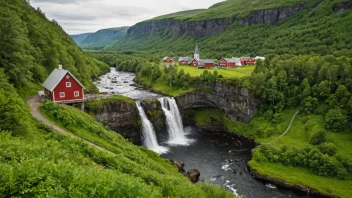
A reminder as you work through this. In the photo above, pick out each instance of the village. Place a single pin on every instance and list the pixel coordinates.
(210, 63)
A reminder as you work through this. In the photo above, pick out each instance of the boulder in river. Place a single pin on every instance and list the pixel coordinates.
(193, 175)
(178, 165)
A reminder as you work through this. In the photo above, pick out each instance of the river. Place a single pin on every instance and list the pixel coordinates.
(221, 158)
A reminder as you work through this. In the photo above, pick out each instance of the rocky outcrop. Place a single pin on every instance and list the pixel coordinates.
(155, 114)
(269, 16)
(193, 175)
(196, 29)
(204, 28)
(343, 6)
(237, 103)
(178, 165)
(120, 116)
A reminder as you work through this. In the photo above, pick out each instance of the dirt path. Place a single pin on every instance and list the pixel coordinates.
(288, 128)
(34, 104)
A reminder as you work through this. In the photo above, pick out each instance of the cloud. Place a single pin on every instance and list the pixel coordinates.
(79, 16)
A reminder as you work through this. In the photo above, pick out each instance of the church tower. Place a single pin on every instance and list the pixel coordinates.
(196, 53)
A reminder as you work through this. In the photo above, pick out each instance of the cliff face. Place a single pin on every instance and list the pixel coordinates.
(270, 16)
(237, 103)
(121, 117)
(199, 29)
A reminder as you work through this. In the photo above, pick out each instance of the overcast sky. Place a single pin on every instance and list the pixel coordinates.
(81, 16)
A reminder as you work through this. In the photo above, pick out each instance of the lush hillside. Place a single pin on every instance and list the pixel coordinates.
(32, 46)
(320, 27)
(78, 38)
(103, 38)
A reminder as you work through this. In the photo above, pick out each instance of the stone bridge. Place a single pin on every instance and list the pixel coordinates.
(237, 103)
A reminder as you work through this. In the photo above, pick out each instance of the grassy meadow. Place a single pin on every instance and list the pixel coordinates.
(237, 72)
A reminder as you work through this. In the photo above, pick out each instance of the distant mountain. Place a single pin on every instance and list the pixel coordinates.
(79, 38)
(103, 38)
(242, 27)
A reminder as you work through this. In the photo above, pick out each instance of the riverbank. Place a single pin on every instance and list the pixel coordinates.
(263, 132)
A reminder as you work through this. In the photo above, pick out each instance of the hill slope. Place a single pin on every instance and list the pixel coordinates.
(104, 37)
(31, 46)
(79, 38)
(269, 27)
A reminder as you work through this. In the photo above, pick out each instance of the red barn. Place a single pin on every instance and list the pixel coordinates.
(207, 64)
(227, 62)
(62, 86)
(167, 60)
(194, 63)
(185, 60)
(247, 61)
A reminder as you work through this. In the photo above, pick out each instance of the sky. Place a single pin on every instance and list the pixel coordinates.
(82, 16)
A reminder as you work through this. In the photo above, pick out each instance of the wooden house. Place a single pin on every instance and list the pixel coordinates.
(62, 86)
(247, 61)
(185, 60)
(167, 60)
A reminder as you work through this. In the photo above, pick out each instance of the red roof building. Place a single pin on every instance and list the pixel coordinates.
(167, 60)
(247, 61)
(62, 86)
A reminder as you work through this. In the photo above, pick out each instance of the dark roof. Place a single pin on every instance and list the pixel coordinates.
(196, 51)
(189, 59)
(55, 77)
(203, 61)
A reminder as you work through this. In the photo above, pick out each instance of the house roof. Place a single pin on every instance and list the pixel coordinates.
(189, 59)
(166, 57)
(236, 59)
(246, 58)
(203, 61)
(55, 77)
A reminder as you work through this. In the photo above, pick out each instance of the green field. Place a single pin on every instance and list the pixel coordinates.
(226, 73)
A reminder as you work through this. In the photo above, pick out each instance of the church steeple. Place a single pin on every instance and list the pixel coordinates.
(196, 53)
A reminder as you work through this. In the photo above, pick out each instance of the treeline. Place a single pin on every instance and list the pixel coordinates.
(31, 46)
(306, 81)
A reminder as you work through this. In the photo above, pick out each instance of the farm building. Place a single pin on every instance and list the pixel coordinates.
(247, 61)
(185, 60)
(167, 60)
(203, 63)
(62, 86)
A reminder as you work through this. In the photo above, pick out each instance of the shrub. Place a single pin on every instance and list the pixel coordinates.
(335, 120)
(328, 148)
(318, 138)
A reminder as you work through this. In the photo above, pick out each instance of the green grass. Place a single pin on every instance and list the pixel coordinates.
(297, 175)
(226, 73)
(298, 136)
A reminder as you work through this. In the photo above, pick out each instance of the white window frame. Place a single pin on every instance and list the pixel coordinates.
(68, 84)
(74, 93)
(62, 94)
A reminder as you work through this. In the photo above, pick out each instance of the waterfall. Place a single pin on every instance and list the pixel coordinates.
(150, 140)
(174, 122)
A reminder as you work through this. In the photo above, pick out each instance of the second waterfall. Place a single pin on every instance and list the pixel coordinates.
(175, 129)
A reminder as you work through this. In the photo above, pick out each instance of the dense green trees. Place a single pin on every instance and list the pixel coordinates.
(32, 46)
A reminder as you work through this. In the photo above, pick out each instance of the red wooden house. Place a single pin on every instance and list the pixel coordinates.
(227, 62)
(62, 86)
(247, 61)
(167, 60)
(203, 63)
(185, 60)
